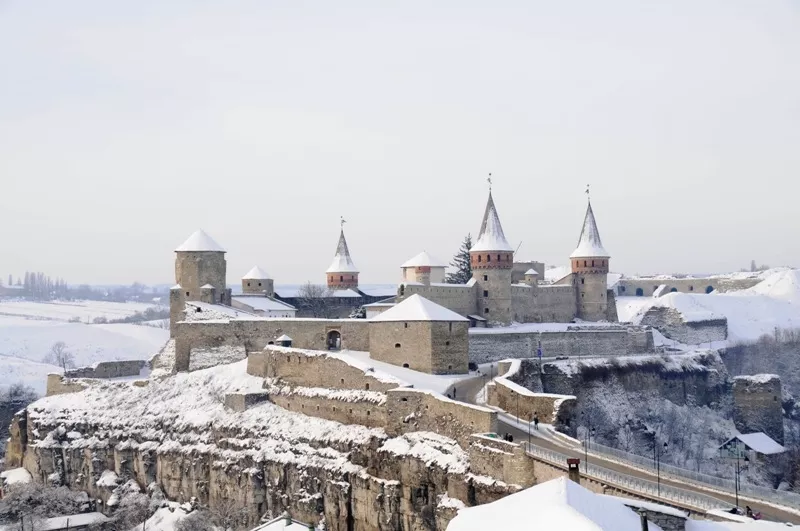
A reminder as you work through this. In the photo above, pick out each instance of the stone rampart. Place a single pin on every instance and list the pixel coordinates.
(757, 405)
(419, 410)
(255, 334)
(108, 369)
(486, 345)
(59, 385)
(646, 287)
(316, 369)
(522, 403)
(460, 298)
(504, 460)
(673, 325)
(332, 406)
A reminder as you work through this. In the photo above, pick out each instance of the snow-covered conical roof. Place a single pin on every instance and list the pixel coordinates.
(417, 308)
(491, 237)
(342, 263)
(200, 241)
(423, 259)
(589, 244)
(256, 274)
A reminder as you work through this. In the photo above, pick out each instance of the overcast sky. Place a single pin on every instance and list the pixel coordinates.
(125, 126)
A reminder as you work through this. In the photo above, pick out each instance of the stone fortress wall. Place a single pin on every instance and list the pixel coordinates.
(757, 405)
(629, 287)
(257, 333)
(487, 346)
(543, 304)
(461, 298)
(427, 346)
(671, 323)
(108, 369)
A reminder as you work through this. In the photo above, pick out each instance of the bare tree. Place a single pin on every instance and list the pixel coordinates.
(59, 355)
(316, 300)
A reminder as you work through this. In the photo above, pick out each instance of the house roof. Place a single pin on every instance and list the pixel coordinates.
(531, 272)
(284, 337)
(759, 442)
(589, 243)
(423, 259)
(264, 304)
(555, 504)
(417, 308)
(256, 274)
(279, 524)
(199, 241)
(342, 263)
(491, 237)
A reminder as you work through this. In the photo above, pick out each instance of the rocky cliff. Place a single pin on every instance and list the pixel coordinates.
(177, 434)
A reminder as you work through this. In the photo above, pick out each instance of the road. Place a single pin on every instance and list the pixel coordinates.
(467, 389)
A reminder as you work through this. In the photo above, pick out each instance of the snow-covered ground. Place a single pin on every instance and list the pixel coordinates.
(751, 313)
(27, 337)
(66, 310)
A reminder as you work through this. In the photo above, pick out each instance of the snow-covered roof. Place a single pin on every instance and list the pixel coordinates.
(417, 308)
(264, 304)
(531, 272)
(589, 244)
(284, 337)
(280, 524)
(555, 504)
(200, 241)
(760, 442)
(256, 274)
(491, 237)
(342, 263)
(60, 523)
(345, 293)
(423, 259)
(206, 286)
(379, 291)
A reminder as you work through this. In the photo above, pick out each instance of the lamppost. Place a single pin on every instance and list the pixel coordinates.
(739, 471)
(657, 451)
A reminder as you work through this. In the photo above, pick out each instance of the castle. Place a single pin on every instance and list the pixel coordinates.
(502, 291)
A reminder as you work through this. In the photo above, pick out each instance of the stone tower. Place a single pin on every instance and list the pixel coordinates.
(342, 273)
(590, 271)
(258, 281)
(492, 259)
(200, 273)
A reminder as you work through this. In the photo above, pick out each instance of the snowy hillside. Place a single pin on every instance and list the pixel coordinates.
(27, 336)
(772, 303)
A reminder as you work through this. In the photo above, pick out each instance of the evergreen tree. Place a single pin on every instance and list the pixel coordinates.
(461, 264)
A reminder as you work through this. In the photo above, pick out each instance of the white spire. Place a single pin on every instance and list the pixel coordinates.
(200, 241)
(491, 237)
(589, 244)
(342, 263)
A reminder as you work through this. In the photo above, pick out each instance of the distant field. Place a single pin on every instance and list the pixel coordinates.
(29, 329)
(64, 311)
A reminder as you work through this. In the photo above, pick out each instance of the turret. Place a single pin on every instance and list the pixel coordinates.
(258, 281)
(342, 273)
(589, 263)
(200, 272)
(424, 269)
(492, 259)
(531, 277)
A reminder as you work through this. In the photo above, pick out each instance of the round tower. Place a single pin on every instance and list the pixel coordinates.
(258, 281)
(589, 262)
(492, 259)
(342, 273)
(199, 262)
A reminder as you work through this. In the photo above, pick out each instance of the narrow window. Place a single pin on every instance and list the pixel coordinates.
(584, 263)
(449, 367)
(405, 365)
(488, 258)
(592, 263)
(187, 293)
(405, 325)
(486, 293)
(451, 327)
(404, 399)
(498, 258)
(691, 288)
(342, 381)
(583, 281)
(288, 359)
(486, 310)
(447, 343)
(259, 283)
(341, 278)
(479, 259)
(368, 412)
(485, 278)
(366, 386)
(397, 345)
(248, 283)
(317, 408)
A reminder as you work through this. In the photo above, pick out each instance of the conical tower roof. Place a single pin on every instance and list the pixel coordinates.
(256, 274)
(200, 241)
(491, 237)
(342, 263)
(589, 244)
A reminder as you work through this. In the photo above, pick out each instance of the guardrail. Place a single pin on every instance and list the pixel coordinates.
(644, 487)
(789, 499)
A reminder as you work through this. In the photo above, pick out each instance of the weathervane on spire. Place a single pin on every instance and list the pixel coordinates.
(587, 192)
(342, 221)
(489, 180)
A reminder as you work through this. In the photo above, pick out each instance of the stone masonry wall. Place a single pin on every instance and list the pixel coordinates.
(363, 412)
(58, 385)
(543, 304)
(419, 410)
(628, 286)
(459, 298)
(255, 334)
(504, 460)
(108, 369)
(518, 401)
(313, 369)
(670, 322)
(405, 344)
(757, 405)
(588, 341)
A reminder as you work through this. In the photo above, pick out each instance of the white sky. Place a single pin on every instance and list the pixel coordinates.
(124, 126)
